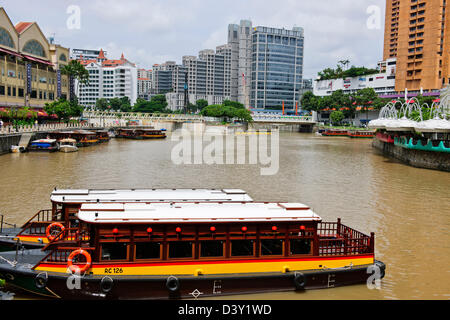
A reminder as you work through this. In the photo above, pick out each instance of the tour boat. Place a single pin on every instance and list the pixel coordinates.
(68, 145)
(46, 145)
(126, 133)
(35, 233)
(150, 134)
(85, 138)
(360, 134)
(186, 250)
(103, 136)
(335, 133)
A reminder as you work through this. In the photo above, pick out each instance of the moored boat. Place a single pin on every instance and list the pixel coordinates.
(35, 233)
(68, 145)
(151, 134)
(43, 145)
(103, 136)
(360, 134)
(126, 133)
(177, 250)
(85, 138)
(335, 133)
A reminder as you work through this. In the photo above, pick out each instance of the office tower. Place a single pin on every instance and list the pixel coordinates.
(266, 65)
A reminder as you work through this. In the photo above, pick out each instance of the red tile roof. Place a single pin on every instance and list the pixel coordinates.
(22, 26)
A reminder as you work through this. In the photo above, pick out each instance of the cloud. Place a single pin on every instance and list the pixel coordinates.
(152, 31)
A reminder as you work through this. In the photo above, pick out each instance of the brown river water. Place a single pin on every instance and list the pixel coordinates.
(407, 208)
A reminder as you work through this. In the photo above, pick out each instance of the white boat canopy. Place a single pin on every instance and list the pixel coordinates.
(114, 213)
(148, 195)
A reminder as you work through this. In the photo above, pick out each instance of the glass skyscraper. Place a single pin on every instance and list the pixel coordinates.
(266, 66)
(277, 68)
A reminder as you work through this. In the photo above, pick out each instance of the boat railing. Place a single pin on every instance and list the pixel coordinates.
(61, 255)
(4, 223)
(68, 236)
(38, 223)
(338, 239)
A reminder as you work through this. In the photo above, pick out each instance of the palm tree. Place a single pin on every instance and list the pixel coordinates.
(75, 70)
(344, 63)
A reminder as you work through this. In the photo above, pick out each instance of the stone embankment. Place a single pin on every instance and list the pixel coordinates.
(416, 158)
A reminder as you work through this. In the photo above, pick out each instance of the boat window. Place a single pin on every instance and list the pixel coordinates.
(114, 251)
(300, 246)
(271, 247)
(242, 247)
(180, 249)
(148, 250)
(212, 248)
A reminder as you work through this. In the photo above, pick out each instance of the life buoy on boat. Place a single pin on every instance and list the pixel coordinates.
(77, 268)
(299, 280)
(48, 231)
(173, 284)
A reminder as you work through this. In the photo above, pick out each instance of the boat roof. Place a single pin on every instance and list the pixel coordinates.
(68, 140)
(113, 213)
(147, 195)
(44, 141)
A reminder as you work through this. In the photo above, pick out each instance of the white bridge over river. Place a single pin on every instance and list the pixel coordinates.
(101, 116)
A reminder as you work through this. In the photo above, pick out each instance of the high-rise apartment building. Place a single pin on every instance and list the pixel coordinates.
(108, 79)
(417, 34)
(266, 65)
(144, 82)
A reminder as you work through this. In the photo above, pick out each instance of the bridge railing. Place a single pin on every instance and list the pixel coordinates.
(277, 118)
(142, 116)
(10, 129)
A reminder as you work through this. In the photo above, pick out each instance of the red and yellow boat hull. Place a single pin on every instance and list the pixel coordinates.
(218, 266)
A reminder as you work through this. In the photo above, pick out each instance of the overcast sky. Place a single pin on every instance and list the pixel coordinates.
(153, 31)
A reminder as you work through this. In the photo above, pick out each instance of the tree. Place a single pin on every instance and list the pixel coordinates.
(228, 110)
(64, 109)
(336, 117)
(157, 104)
(102, 104)
(233, 104)
(201, 104)
(77, 71)
(309, 101)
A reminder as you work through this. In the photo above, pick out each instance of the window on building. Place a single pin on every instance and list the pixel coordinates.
(5, 38)
(34, 47)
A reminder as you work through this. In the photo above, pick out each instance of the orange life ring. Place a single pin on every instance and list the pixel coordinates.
(49, 228)
(80, 269)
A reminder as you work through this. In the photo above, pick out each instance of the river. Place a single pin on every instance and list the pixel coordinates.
(407, 208)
